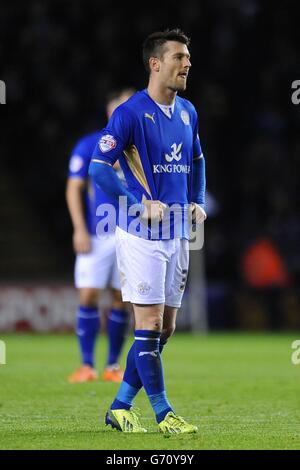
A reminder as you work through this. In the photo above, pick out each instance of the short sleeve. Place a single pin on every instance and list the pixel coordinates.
(79, 161)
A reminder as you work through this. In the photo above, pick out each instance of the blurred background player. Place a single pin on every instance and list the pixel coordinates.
(95, 266)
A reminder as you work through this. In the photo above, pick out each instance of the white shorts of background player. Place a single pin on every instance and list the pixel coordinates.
(98, 269)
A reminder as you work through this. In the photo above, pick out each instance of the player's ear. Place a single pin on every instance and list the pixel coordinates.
(154, 64)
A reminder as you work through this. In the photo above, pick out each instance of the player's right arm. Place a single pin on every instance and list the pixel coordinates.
(76, 184)
(114, 139)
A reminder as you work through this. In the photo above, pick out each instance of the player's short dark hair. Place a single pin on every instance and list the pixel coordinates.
(154, 44)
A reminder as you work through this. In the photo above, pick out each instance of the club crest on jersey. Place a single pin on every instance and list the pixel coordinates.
(107, 143)
(175, 154)
(185, 117)
(150, 116)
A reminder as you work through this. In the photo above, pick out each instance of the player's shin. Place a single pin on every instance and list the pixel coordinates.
(132, 383)
(149, 366)
(130, 386)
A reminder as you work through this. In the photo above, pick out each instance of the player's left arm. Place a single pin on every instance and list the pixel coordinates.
(112, 142)
(199, 180)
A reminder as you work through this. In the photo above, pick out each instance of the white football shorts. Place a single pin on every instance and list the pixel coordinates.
(98, 269)
(152, 271)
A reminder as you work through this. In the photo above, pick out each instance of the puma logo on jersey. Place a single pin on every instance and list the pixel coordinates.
(175, 154)
(151, 353)
(150, 116)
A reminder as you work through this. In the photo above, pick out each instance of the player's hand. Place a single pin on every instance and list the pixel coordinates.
(153, 210)
(198, 214)
(81, 242)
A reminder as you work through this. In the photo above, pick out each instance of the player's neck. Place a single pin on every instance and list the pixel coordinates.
(161, 95)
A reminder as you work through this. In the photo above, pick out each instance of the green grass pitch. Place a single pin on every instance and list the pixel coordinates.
(240, 389)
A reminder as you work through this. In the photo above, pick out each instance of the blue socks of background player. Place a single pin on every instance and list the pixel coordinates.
(88, 326)
(144, 367)
(116, 329)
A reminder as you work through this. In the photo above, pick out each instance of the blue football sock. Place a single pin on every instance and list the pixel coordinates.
(131, 384)
(131, 375)
(125, 397)
(88, 326)
(116, 329)
(149, 366)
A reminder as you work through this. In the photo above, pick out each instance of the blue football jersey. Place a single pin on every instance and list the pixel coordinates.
(155, 151)
(78, 168)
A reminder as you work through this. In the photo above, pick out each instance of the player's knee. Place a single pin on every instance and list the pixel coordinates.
(152, 322)
(148, 317)
(156, 324)
(117, 301)
(156, 319)
(88, 297)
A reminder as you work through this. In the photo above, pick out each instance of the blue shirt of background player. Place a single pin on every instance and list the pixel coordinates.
(155, 151)
(93, 196)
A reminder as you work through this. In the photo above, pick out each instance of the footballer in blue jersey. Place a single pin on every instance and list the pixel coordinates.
(156, 151)
(93, 195)
(155, 137)
(96, 265)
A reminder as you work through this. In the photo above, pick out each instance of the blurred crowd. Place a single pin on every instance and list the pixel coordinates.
(60, 59)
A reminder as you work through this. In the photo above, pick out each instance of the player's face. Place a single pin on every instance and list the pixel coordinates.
(174, 66)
